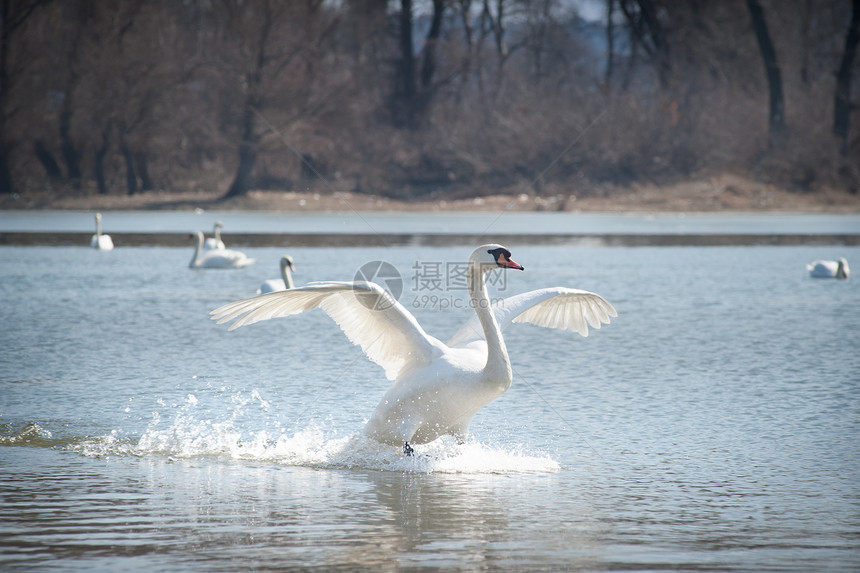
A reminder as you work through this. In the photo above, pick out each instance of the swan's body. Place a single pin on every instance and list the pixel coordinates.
(217, 258)
(100, 241)
(283, 283)
(829, 269)
(437, 387)
(215, 241)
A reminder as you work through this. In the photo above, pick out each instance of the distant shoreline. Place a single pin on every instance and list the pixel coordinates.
(72, 239)
(717, 194)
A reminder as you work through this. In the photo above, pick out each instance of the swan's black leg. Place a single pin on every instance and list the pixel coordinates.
(407, 449)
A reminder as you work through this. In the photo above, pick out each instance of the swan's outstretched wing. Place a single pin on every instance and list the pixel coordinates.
(556, 307)
(367, 314)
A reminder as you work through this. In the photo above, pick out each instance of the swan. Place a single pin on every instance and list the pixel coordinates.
(283, 283)
(100, 241)
(215, 242)
(438, 387)
(829, 269)
(217, 258)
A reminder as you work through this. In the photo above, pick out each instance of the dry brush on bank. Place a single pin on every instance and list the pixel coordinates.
(470, 98)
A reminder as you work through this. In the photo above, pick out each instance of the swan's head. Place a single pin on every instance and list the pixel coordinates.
(219, 225)
(287, 261)
(843, 271)
(492, 256)
(98, 217)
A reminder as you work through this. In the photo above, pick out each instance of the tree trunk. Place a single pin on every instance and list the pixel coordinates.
(244, 182)
(404, 108)
(610, 44)
(99, 165)
(52, 168)
(647, 31)
(6, 186)
(842, 100)
(776, 115)
(71, 156)
(141, 164)
(130, 173)
(429, 65)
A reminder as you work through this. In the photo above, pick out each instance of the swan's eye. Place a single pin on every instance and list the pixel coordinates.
(500, 255)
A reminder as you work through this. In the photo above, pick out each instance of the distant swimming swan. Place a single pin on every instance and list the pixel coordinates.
(283, 283)
(100, 241)
(216, 258)
(438, 388)
(829, 269)
(215, 241)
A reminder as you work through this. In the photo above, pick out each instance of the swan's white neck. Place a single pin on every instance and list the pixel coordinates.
(98, 226)
(498, 367)
(199, 236)
(286, 274)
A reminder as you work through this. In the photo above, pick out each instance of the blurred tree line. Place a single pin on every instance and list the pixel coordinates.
(412, 98)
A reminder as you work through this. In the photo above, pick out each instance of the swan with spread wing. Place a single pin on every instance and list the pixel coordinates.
(438, 388)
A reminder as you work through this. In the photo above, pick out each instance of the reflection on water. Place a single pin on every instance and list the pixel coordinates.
(160, 512)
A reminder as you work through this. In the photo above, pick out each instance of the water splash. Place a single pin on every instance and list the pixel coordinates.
(30, 435)
(194, 431)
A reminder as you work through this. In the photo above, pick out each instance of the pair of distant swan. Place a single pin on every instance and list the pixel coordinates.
(438, 388)
(215, 242)
(829, 269)
(213, 254)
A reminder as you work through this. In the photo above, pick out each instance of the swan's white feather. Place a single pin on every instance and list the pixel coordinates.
(370, 317)
(437, 388)
(101, 242)
(829, 269)
(283, 283)
(223, 258)
(271, 285)
(210, 244)
(556, 307)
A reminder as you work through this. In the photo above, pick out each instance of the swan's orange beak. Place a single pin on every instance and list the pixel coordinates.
(509, 263)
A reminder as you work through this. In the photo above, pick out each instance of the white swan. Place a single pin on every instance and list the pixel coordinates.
(283, 283)
(829, 269)
(217, 258)
(215, 242)
(100, 241)
(437, 387)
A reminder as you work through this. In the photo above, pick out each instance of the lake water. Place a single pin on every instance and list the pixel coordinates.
(713, 426)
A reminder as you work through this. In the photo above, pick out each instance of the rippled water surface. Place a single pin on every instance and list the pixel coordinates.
(714, 425)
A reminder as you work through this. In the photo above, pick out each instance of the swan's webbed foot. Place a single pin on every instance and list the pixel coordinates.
(407, 449)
